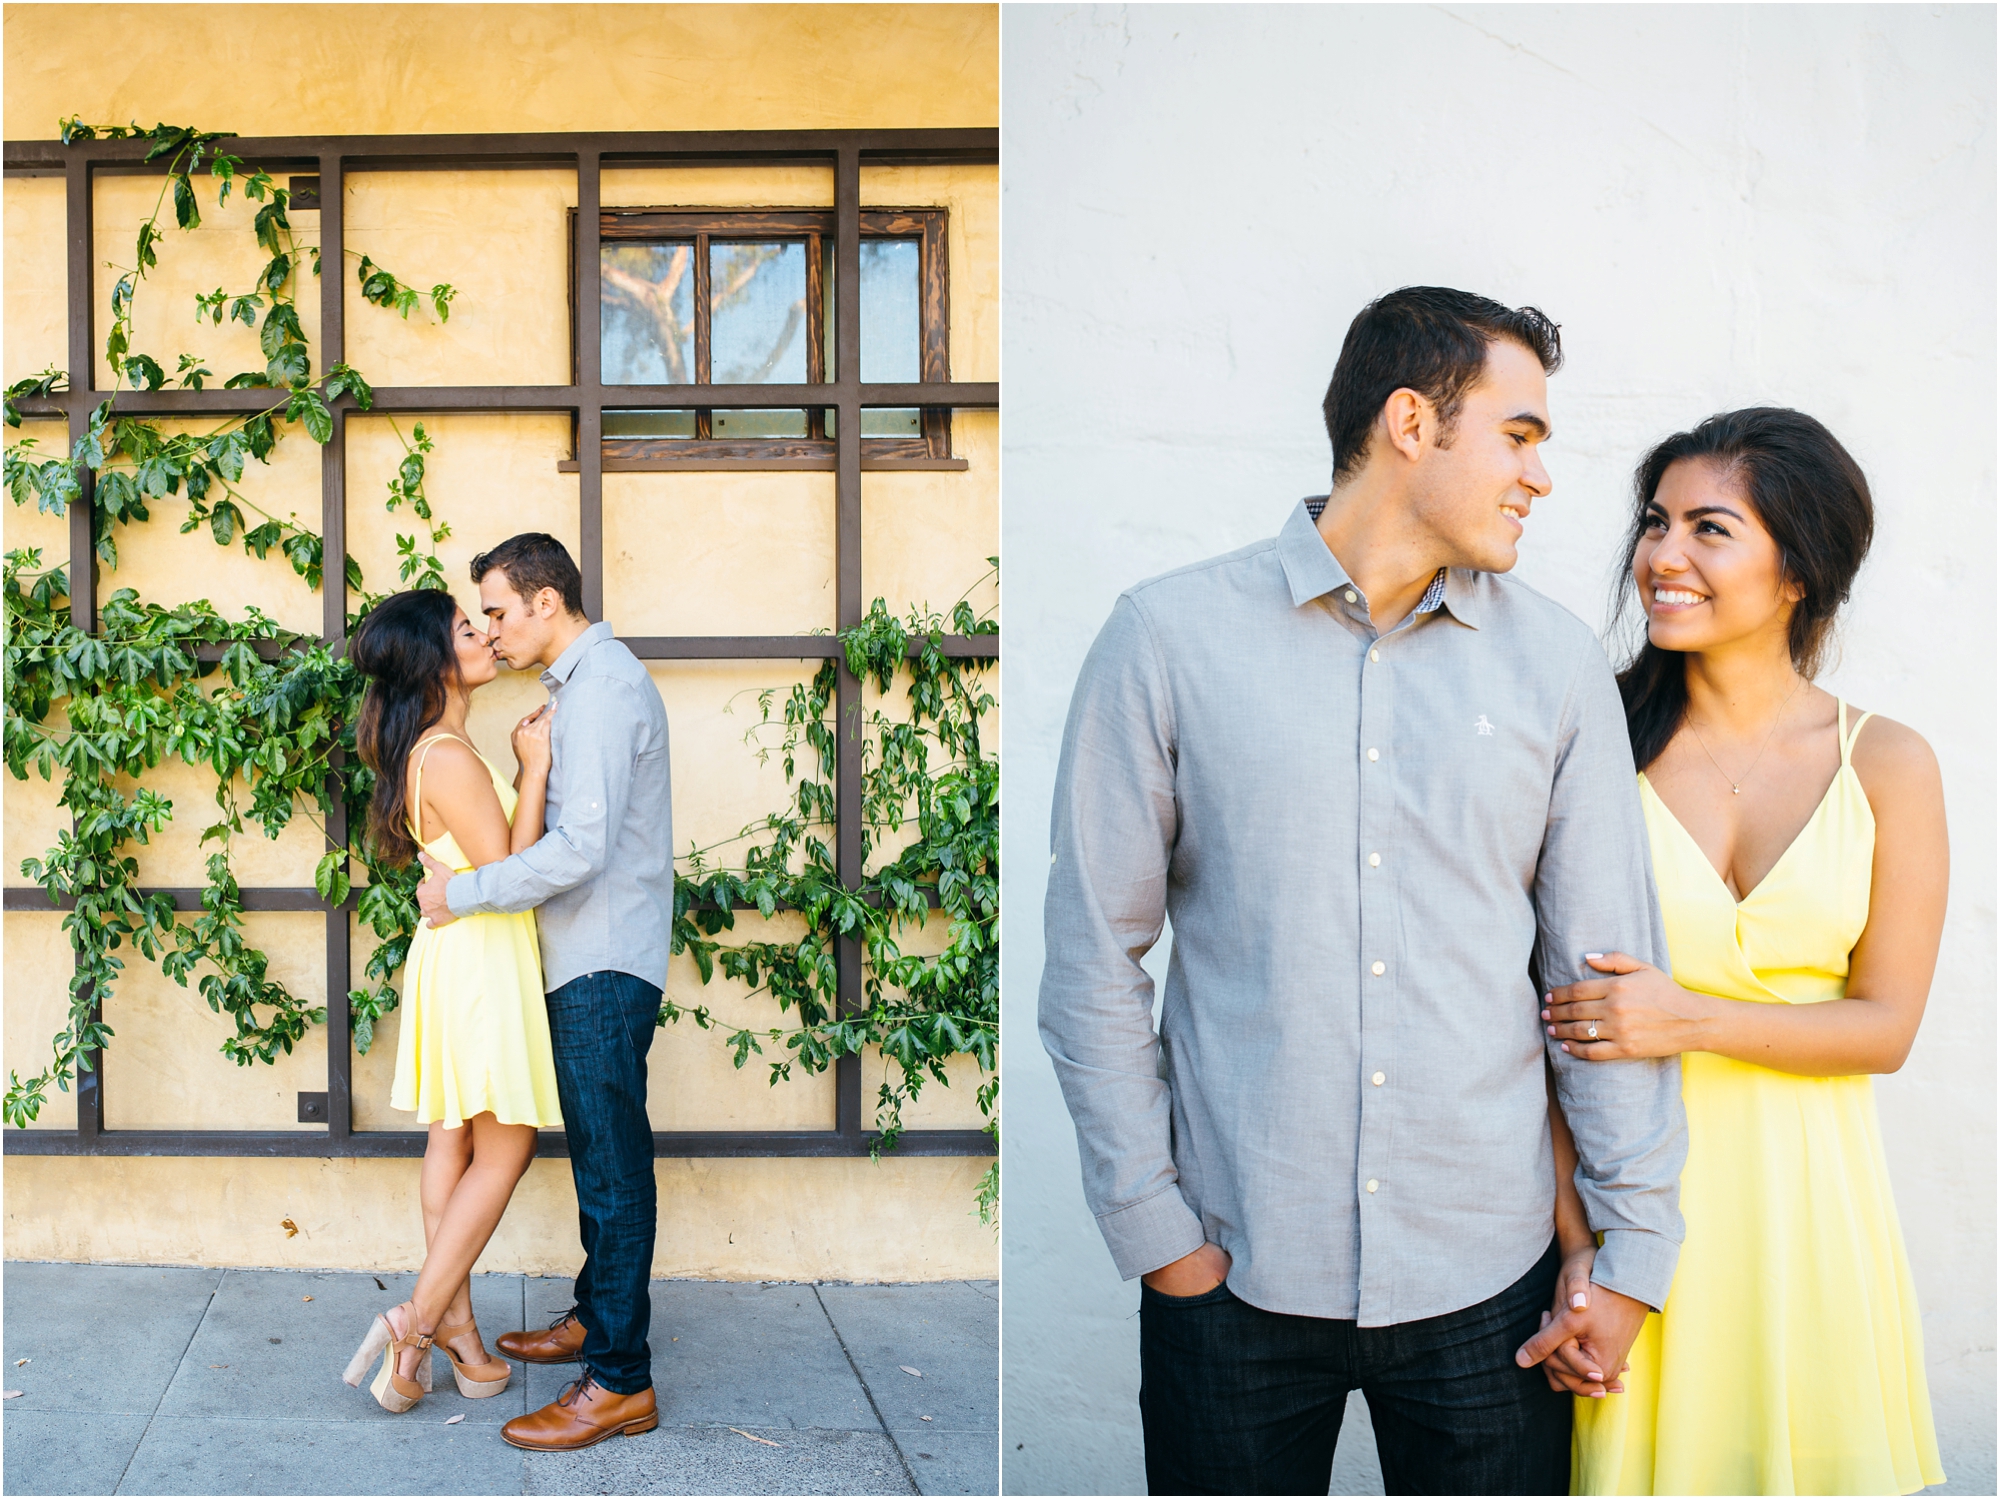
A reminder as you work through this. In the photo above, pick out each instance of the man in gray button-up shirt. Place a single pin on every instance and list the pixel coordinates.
(1370, 798)
(600, 881)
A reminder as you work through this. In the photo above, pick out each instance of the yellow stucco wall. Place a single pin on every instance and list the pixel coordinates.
(695, 553)
(378, 70)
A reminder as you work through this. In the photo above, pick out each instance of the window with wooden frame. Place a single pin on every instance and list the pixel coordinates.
(746, 297)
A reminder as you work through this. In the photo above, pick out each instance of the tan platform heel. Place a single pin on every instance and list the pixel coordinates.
(475, 1381)
(391, 1390)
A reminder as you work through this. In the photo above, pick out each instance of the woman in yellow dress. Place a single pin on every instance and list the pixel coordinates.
(473, 1059)
(1799, 850)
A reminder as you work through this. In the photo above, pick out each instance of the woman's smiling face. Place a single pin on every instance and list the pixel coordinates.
(1707, 570)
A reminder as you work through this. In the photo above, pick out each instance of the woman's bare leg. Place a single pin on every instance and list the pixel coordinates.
(471, 1211)
(446, 1155)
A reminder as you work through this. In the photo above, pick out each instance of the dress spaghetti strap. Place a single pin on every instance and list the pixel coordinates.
(1847, 735)
(415, 799)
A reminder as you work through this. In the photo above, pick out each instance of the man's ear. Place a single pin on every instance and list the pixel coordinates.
(1403, 420)
(548, 603)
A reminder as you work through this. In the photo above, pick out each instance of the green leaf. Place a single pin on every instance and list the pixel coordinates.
(330, 877)
(281, 326)
(271, 223)
(144, 369)
(306, 406)
(186, 211)
(223, 521)
(276, 274)
(290, 365)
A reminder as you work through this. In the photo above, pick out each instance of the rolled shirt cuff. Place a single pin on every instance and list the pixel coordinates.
(461, 894)
(1152, 1233)
(1638, 1264)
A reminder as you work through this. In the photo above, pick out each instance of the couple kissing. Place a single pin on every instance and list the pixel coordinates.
(533, 984)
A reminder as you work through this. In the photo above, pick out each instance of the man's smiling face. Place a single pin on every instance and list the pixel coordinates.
(1474, 491)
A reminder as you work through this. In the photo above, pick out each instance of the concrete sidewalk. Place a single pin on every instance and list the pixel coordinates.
(143, 1380)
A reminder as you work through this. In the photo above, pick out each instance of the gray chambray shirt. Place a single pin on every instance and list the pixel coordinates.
(601, 879)
(1362, 842)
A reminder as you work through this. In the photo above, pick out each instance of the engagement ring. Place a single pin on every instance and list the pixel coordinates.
(1593, 1033)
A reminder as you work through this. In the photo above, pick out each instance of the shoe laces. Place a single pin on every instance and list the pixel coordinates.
(575, 1390)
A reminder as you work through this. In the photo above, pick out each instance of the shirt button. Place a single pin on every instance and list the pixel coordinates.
(1378, 970)
(1377, 1079)
(1374, 860)
(1350, 596)
(1373, 1184)
(1374, 655)
(1374, 754)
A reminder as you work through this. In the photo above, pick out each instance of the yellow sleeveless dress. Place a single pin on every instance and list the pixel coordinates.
(475, 1032)
(1789, 1358)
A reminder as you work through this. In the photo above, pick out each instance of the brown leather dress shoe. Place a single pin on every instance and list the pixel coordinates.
(561, 1342)
(585, 1413)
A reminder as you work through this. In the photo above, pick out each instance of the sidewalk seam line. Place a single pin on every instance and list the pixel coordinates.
(894, 1445)
(153, 1414)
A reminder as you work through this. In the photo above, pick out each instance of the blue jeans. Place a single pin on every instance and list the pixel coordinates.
(1238, 1400)
(601, 1027)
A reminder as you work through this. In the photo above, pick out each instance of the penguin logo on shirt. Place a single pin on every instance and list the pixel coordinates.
(1482, 725)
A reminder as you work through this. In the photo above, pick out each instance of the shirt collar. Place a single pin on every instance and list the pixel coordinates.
(1310, 566)
(1312, 570)
(565, 664)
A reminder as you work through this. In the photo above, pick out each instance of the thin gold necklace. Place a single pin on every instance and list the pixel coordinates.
(1736, 786)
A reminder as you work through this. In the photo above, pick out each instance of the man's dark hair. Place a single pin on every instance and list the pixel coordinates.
(1433, 340)
(532, 561)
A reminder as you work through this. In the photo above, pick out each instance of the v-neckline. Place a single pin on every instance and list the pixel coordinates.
(1706, 863)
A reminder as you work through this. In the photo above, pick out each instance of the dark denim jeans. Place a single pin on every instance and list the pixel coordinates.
(601, 1027)
(1237, 1400)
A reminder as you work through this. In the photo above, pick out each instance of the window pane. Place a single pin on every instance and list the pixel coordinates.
(882, 421)
(649, 423)
(742, 424)
(757, 298)
(891, 421)
(648, 307)
(890, 322)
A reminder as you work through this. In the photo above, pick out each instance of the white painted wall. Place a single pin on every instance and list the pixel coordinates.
(1722, 206)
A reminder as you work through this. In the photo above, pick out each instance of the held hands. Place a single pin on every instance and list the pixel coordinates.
(1570, 1368)
(430, 894)
(1191, 1274)
(532, 740)
(1637, 1011)
(1579, 1344)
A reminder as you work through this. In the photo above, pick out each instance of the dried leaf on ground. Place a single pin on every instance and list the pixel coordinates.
(908, 1370)
(454, 1420)
(10, 1394)
(746, 1436)
(20, 1361)
(305, 1298)
(291, 1229)
(378, 1282)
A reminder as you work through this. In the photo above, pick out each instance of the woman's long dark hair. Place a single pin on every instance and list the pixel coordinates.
(405, 648)
(1811, 496)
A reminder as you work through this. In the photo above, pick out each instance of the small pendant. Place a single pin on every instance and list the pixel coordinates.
(1736, 790)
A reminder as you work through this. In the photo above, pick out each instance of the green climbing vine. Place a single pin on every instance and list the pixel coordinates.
(266, 710)
(927, 780)
(270, 713)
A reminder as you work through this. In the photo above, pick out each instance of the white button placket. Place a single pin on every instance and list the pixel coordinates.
(1377, 969)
